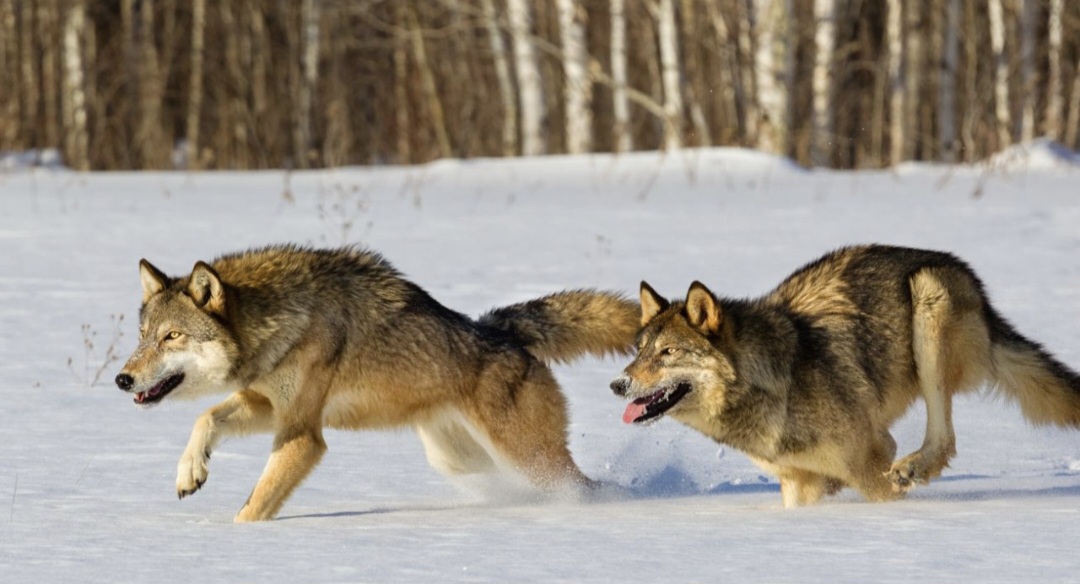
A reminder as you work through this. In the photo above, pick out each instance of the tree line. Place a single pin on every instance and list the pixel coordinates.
(244, 84)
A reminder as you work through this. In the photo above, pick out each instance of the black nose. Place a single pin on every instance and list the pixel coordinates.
(619, 386)
(125, 381)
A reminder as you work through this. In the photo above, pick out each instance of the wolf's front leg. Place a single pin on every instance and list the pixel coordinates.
(296, 452)
(243, 412)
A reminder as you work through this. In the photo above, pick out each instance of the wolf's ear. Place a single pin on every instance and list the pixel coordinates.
(652, 303)
(153, 280)
(702, 309)
(206, 290)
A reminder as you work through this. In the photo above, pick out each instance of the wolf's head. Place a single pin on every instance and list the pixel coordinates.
(681, 365)
(185, 347)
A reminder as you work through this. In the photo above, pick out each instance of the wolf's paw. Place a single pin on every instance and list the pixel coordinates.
(191, 472)
(918, 468)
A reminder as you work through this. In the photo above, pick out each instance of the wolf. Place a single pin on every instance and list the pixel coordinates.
(808, 379)
(305, 338)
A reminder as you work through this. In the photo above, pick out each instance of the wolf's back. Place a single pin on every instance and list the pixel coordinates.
(566, 325)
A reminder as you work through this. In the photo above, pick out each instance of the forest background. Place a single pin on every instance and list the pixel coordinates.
(248, 84)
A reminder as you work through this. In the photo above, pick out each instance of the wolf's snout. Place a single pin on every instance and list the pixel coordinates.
(620, 385)
(125, 381)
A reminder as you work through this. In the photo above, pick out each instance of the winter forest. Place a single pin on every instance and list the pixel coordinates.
(246, 84)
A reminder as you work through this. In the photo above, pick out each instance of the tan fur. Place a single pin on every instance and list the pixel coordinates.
(308, 339)
(808, 379)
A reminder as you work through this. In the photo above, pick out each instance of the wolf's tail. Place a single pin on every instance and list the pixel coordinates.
(566, 325)
(1047, 390)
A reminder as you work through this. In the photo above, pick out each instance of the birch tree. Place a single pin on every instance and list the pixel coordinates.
(824, 41)
(1028, 92)
(195, 88)
(947, 86)
(1052, 124)
(914, 59)
(1001, 73)
(894, 61)
(502, 75)
(530, 83)
(667, 35)
(9, 76)
(75, 139)
(577, 89)
(619, 95)
(772, 27)
(309, 60)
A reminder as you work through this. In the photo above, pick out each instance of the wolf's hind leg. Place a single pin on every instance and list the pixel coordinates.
(523, 415)
(799, 487)
(950, 344)
(243, 412)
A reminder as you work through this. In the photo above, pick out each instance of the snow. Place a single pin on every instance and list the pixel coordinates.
(87, 479)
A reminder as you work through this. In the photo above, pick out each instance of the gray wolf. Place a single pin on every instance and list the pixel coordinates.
(808, 379)
(304, 339)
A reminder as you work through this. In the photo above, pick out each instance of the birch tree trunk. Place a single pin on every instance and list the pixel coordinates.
(1028, 92)
(913, 70)
(530, 84)
(502, 75)
(309, 60)
(669, 65)
(46, 21)
(151, 146)
(731, 90)
(9, 77)
(578, 86)
(76, 154)
(824, 41)
(1052, 123)
(947, 87)
(1072, 121)
(31, 93)
(771, 30)
(195, 89)
(894, 62)
(620, 101)
(1001, 74)
(427, 76)
(747, 69)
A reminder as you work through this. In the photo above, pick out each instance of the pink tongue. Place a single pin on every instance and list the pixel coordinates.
(633, 412)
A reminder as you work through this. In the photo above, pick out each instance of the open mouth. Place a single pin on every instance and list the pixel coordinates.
(655, 404)
(159, 391)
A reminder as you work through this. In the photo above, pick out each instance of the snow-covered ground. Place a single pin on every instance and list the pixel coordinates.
(87, 480)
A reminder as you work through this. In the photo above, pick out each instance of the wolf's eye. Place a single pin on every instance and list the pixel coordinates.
(173, 335)
(669, 351)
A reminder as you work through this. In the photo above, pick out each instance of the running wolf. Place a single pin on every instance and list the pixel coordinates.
(306, 338)
(808, 379)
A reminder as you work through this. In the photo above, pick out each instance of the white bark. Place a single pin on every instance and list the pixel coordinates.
(669, 65)
(191, 131)
(1001, 73)
(894, 61)
(530, 88)
(824, 40)
(75, 136)
(947, 88)
(623, 138)
(1052, 125)
(1028, 92)
(309, 72)
(771, 59)
(578, 85)
(620, 101)
(913, 71)
(502, 75)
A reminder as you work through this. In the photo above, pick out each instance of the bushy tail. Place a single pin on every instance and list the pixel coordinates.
(566, 325)
(1047, 391)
